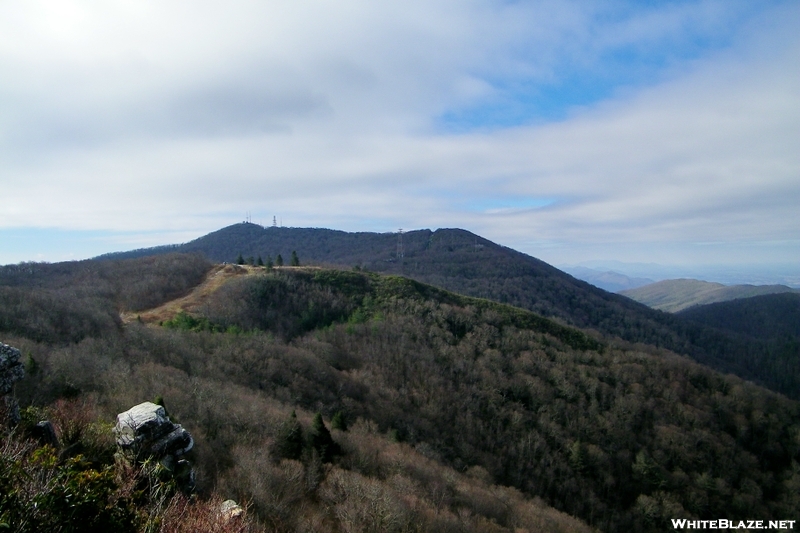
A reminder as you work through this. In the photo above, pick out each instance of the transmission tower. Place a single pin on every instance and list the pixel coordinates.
(400, 250)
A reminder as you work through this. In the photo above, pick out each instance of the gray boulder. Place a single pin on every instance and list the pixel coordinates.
(146, 431)
(11, 371)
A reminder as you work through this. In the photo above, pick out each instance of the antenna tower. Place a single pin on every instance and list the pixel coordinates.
(274, 221)
(400, 250)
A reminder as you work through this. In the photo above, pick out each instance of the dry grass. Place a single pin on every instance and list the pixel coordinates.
(186, 516)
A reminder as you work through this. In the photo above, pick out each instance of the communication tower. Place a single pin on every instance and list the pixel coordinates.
(400, 250)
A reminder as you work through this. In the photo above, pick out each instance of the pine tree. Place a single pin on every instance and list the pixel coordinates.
(269, 262)
(240, 260)
(295, 261)
(289, 440)
(338, 421)
(279, 261)
(320, 440)
(260, 261)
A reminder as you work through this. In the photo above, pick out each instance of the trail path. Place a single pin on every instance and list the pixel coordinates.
(193, 302)
(195, 299)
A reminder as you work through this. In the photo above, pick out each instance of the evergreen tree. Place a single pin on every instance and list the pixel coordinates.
(289, 440)
(159, 400)
(279, 261)
(338, 421)
(295, 261)
(269, 262)
(320, 439)
(260, 261)
(240, 260)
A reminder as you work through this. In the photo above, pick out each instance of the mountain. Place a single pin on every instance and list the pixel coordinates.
(463, 262)
(462, 413)
(679, 294)
(607, 280)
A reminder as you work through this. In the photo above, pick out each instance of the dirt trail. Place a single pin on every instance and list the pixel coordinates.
(195, 299)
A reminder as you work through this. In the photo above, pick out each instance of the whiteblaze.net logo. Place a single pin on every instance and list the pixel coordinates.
(682, 523)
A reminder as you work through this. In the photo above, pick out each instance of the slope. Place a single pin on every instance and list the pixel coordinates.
(678, 294)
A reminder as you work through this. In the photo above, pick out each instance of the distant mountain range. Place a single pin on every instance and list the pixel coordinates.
(678, 294)
(463, 262)
(727, 274)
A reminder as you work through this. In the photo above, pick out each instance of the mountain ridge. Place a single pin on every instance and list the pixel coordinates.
(465, 263)
(676, 295)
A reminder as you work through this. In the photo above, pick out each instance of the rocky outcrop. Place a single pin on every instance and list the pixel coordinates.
(146, 432)
(11, 371)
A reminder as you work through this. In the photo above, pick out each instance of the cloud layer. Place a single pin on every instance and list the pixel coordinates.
(665, 133)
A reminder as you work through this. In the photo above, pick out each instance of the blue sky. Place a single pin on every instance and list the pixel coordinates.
(641, 132)
(523, 98)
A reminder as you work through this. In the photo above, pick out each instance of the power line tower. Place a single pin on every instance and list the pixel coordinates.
(274, 221)
(400, 250)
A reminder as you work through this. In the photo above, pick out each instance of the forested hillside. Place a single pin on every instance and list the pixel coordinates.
(445, 412)
(465, 263)
(772, 317)
(66, 302)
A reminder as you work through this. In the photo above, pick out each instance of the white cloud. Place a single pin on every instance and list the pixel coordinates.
(145, 116)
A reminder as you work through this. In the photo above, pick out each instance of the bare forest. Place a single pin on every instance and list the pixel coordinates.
(342, 400)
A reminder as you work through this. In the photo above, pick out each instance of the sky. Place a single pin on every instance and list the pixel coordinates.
(630, 132)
